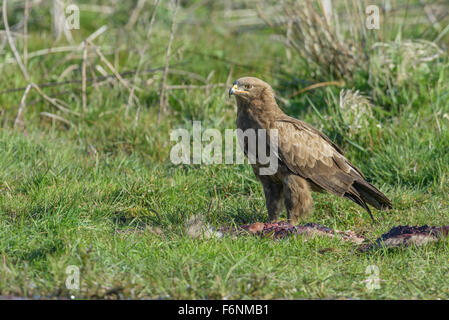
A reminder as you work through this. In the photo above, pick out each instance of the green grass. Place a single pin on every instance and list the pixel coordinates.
(93, 193)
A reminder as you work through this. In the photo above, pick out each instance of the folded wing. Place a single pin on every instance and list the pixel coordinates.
(312, 155)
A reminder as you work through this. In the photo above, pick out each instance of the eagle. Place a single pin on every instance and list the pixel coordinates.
(307, 159)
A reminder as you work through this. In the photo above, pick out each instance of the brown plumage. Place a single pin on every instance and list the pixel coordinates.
(308, 159)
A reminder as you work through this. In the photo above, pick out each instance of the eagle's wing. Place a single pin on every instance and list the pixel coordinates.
(312, 155)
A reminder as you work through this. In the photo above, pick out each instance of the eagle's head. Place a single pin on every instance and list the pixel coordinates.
(249, 89)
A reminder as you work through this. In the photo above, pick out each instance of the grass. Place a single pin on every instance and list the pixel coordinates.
(101, 193)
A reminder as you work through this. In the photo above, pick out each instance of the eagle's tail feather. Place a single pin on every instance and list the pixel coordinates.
(362, 192)
(353, 195)
(372, 195)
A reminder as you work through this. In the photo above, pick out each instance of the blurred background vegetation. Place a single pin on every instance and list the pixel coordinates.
(86, 116)
(291, 44)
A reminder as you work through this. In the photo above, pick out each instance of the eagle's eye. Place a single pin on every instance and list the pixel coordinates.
(247, 86)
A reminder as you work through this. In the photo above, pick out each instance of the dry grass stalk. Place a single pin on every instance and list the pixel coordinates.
(412, 51)
(356, 110)
(25, 32)
(162, 95)
(400, 59)
(142, 55)
(105, 76)
(18, 120)
(53, 101)
(22, 67)
(153, 16)
(229, 78)
(312, 29)
(80, 47)
(113, 69)
(109, 65)
(192, 86)
(318, 85)
(11, 42)
(188, 74)
(55, 117)
(430, 15)
(67, 71)
(45, 52)
(83, 74)
(135, 14)
(71, 49)
(131, 94)
(318, 42)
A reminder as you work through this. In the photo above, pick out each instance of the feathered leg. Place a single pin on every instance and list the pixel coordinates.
(297, 197)
(273, 197)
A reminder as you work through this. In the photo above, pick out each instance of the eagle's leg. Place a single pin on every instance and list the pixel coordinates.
(297, 197)
(273, 197)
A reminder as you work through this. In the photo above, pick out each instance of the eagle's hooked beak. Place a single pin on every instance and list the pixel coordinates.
(235, 90)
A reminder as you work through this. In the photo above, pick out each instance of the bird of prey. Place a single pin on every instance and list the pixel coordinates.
(308, 159)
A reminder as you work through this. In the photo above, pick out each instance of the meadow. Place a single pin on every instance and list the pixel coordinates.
(85, 120)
